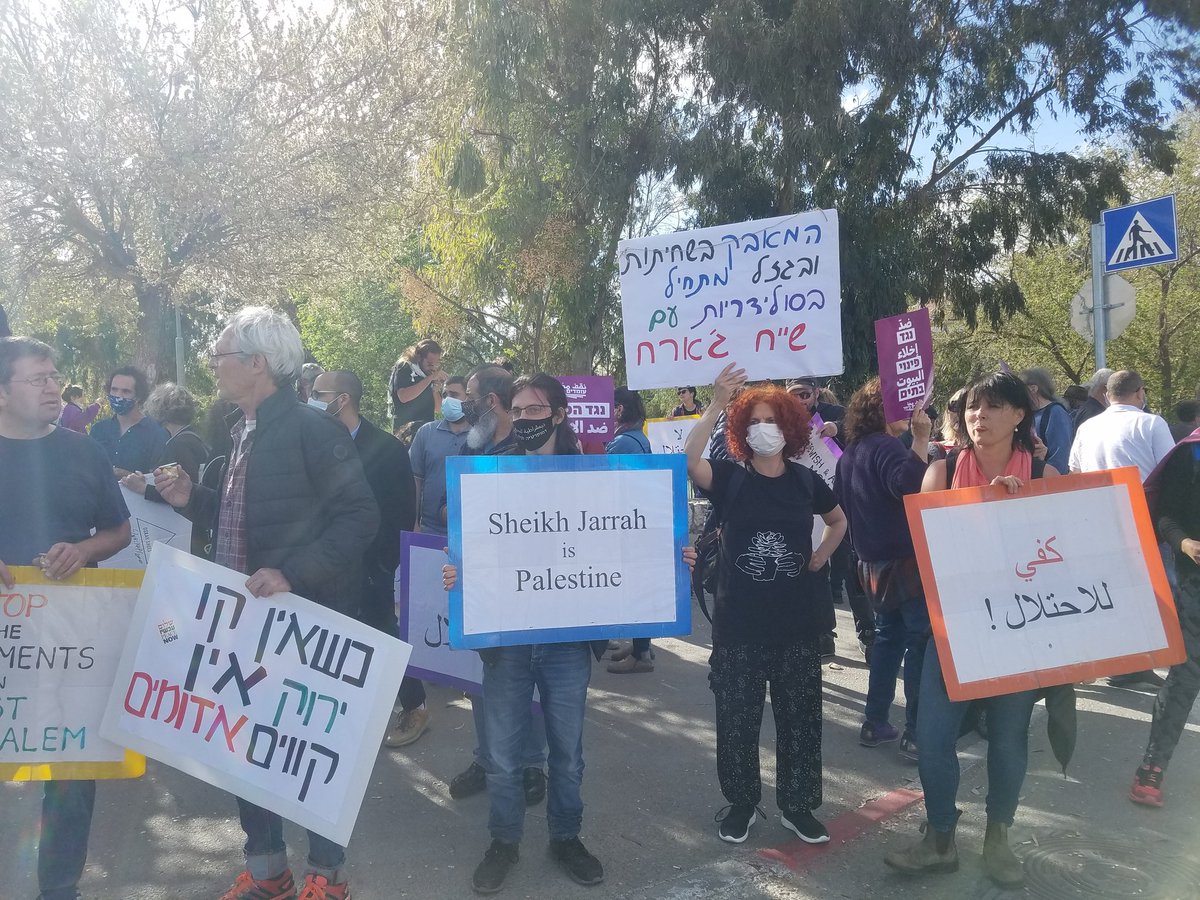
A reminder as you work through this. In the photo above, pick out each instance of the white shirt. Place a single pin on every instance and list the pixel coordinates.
(1122, 435)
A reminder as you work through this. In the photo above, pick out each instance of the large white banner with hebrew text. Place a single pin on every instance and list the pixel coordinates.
(764, 294)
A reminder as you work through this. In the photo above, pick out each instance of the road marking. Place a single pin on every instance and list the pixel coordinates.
(797, 855)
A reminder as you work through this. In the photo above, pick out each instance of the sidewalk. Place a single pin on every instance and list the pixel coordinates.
(651, 792)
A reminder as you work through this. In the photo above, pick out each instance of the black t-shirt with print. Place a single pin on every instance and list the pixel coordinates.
(765, 593)
(420, 408)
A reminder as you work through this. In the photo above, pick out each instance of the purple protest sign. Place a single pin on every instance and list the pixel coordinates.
(590, 399)
(905, 347)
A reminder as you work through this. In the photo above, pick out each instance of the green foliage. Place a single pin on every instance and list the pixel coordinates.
(362, 328)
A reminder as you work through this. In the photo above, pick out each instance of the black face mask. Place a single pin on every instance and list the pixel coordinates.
(532, 434)
(471, 411)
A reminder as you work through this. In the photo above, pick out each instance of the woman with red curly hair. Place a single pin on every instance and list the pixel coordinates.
(767, 618)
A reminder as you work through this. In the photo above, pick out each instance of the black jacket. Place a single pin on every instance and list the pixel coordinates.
(309, 509)
(389, 473)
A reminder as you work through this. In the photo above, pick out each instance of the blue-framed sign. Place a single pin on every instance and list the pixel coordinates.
(1141, 234)
(551, 549)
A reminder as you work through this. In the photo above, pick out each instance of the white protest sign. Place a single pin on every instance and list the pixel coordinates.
(567, 548)
(423, 611)
(669, 435)
(764, 294)
(821, 455)
(274, 699)
(149, 524)
(1063, 583)
(59, 646)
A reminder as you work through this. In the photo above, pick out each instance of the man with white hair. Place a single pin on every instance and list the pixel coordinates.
(294, 513)
(1097, 401)
(1124, 435)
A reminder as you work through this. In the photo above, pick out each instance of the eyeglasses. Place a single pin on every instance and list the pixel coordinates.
(40, 381)
(803, 395)
(535, 410)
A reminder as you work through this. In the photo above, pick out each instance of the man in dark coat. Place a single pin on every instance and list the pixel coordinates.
(295, 514)
(389, 473)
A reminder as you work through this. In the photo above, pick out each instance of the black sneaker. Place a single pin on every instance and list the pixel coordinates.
(490, 873)
(535, 786)
(469, 782)
(806, 827)
(575, 860)
(735, 823)
(908, 746)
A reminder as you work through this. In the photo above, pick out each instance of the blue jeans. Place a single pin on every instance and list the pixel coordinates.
(62, 852)
(266, 854)
(561, 673)
(900, 634)
(938, 723)
(534, 754)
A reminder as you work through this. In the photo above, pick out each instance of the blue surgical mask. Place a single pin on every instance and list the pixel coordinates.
(322, 405)
(452, 409)
(121, 405)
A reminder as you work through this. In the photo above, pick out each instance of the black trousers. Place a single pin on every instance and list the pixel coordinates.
(377, 608)
(739, 675)
(1176, 697)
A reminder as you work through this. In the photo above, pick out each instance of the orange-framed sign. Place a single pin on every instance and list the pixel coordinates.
(60, 642)
(1059, 583)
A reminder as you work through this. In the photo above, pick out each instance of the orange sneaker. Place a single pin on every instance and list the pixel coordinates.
(317, 887)
(281, 887)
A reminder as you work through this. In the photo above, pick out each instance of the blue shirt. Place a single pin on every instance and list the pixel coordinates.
(433, 442)
(139, 449)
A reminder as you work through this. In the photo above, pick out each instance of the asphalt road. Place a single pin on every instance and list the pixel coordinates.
(651, 792)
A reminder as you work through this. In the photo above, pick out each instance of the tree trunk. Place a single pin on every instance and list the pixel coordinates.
(150, 353)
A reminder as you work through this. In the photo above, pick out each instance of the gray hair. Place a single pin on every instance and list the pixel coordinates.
(1100, 379)
(170, 403)
(257, 329)
(1043, 380)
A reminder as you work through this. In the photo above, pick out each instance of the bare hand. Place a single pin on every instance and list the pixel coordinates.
(727, 384)
(1010, 482)
(439, 375)
(6, 577)
(120, 473)
(829, 429)
(63, 560)
(921, 426)
(173, 485)
(1039, 448)
(449, 576)
(266, 582)
(689, 557)
(136, 482)
(1190, 549)
(817, 560)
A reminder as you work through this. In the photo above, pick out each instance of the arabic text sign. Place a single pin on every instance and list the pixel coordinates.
(567, 548)
(590, 405)
(149, 523)
(905, 347)
(1060, 583)
(59, 646)
(423, 609)
(669, 435)
(765, 294)
(275, 699)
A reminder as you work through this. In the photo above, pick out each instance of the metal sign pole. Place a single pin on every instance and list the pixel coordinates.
(1098, 299)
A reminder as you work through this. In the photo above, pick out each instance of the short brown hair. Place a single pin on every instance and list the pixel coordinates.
(864, 412)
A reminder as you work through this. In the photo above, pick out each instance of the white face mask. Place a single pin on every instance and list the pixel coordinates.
(765, 438)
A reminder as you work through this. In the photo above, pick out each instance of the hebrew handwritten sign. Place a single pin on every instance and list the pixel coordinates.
(764, 294)
(1060, 583)
(275, 699)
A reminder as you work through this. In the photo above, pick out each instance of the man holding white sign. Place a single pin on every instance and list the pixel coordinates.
(295, 513)
(49, 524)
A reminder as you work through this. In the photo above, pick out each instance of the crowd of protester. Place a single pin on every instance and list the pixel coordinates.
(289, 483)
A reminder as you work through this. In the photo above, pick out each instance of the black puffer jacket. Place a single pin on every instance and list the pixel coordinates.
(309, 510)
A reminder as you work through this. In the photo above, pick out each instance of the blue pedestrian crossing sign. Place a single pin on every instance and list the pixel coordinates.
(1141, 234)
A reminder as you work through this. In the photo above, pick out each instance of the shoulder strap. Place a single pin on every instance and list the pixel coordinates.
(1039, 468)
(951, 462)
